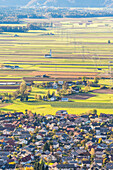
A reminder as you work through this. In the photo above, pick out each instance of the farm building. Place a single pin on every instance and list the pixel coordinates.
(64, 99)
(53, 98)
(70, 83)
(75, 89)
(60, 82)
(48, 55)
(55, 86)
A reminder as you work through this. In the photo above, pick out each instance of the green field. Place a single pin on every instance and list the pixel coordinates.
(79, 48)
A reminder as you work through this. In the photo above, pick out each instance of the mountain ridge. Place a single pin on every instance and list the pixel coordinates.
(58, 3)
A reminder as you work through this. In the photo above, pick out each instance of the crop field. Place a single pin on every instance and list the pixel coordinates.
(80, 47)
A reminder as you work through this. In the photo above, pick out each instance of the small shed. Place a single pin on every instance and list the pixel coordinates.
(64, 99)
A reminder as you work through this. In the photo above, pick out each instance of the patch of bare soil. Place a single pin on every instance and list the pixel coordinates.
(104, 91)
(9, 87)
(80, 96)
(5, 104)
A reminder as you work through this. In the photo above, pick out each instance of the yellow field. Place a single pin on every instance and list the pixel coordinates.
(78, 45)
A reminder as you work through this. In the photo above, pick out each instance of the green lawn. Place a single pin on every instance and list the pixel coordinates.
(51, 108)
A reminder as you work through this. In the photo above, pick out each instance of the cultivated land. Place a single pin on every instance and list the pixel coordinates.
(79, 48)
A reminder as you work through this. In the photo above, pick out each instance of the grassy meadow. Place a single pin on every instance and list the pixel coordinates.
(79, 48)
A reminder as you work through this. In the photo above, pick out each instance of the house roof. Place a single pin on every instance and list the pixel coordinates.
(26, 158)
(66, 166)
(98, 161)
(10, 166)
(109, 166)
(86, 162)
(62, 112)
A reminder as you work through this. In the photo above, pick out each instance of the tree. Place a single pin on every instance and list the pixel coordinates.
(92, 152)
(27, 98)
(39, 97)
(48, 94)
(35, 96)
(87, 88)
(104, 161)
(96, 80)
(46, 168)
(44, 97)
(9, 156)
(6, 94)
(109, 41)
(36, 166)
(100, 140)
(15, 95)
(59, 94)
(83, 143)
(83, 78)
(23, 91)
(29, 88)
(46, 147)
(95, 111)
(21, 98)
(10, 96)
(65, 86)
(40, 166)
(26, 112)
(58, 90)
(23, 88)
(53, 93)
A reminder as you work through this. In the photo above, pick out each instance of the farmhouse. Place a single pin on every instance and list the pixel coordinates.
(48, 55)
(75, 89)
(53, 98)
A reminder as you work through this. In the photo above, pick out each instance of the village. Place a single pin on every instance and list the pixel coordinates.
(56, 142)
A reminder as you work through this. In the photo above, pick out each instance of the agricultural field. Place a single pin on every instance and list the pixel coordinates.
(81, 47)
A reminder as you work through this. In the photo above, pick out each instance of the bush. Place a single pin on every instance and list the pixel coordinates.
(94, 85)
(103, 87)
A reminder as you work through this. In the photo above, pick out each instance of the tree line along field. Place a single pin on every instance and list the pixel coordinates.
(80, 47)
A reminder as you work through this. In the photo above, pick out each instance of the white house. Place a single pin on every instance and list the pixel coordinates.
(23, 141)
(60, 82)
(39, 137)
(53, 98)
(30, 129)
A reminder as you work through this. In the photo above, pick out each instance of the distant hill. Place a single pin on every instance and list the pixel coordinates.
(72, 3)
(58, 3)
(13, 2)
